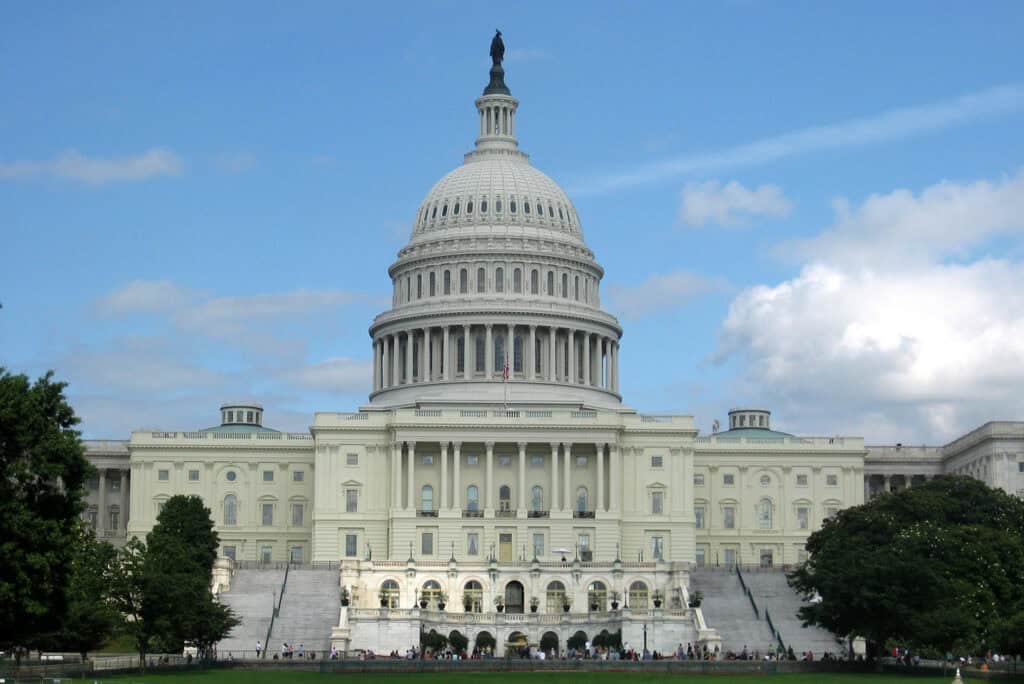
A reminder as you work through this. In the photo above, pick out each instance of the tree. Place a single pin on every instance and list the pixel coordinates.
(937, 568)
(42, 473)
(128, 594)
(458, 641)
(92, 617)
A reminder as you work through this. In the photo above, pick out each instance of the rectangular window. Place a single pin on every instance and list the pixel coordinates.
(351, 459)
(730, 556)
(657, 503)
(538, 545)
(536, 460)
(266, 554)
(268, 475)
(229, 552)
(656, 461)
(831, 512)
(728, 479)
(584, 541)
(298, 514)
(657, 548)
(803, 515)
(427, 544)
(296, 554)
(581, 461)
(351, 542)
(1020, 467)
(428, 459)
(351, 500)
(698, 479)
(298, 476)
(472, 460)
(505, 461)
(832, 480)
(701, 556)
(801, 555)
(115, 519)
(193, 476)
(801, 480)
(115, 484)
(160, 507)
(268, 513)
(472, 543)
(729, 517)
(698, 515)
(163, 475)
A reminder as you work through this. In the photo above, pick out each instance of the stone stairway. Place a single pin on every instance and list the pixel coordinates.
(772, 591)
(311, 607)
(252, 598)
(727, 609)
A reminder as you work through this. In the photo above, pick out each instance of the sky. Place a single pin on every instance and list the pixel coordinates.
(816, 208)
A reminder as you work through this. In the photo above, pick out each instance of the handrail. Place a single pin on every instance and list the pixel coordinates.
(775, 632)
(746, 589)
(275, 611)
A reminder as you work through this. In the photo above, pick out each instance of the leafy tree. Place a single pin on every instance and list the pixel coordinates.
(485, 640)
(433, 641)
(42, 473)
(92, 617)
(577, 641)
(128, 594)
(458, 641)
(938, 567)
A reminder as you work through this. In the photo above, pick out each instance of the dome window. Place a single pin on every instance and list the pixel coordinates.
(540, 209)
(433, 214)
(512, 206)
(483, 206)
(455, 211)
(551, 211)
(444, 210)
(497, 206)
(469, 207)
(526, 207)
(561, 217)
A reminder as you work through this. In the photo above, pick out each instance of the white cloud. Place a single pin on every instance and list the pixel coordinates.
(895, 124)
(74, 166)
(731, 204)
(340, 375)
(238, 162)
(660, 293)
(908, 348)
(144, 296)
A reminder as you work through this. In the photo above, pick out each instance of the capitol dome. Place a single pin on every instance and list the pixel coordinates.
(496, 297)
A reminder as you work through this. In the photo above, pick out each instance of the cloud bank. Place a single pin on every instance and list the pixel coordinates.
(74, 166)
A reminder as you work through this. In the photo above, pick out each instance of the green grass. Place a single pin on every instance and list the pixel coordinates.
(285, 676)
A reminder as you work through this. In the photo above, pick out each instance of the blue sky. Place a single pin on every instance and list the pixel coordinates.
(815, 207)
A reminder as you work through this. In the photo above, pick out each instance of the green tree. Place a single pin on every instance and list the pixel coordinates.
(938, 567)
(92, 617)
(128, 594)
(458, 641)
(42, 473)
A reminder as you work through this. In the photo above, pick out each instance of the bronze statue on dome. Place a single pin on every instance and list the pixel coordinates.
(497, 48)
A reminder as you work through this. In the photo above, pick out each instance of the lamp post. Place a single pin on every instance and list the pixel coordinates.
(645, 642)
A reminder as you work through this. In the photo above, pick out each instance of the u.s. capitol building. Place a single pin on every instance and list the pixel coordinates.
(496, 463)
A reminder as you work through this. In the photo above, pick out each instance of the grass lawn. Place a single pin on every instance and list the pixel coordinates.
(284, 676)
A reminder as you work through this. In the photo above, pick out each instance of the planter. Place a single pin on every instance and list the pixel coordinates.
(383, 603)
(615, 605)
(499, 608)
(657, 603)
(533, 609)
(695, 604)
(566, 608)
(423, 605)
(593, 607)
(440, 606)
(344, 602)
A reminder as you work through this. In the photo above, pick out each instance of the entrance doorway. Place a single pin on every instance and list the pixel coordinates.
(514, 595)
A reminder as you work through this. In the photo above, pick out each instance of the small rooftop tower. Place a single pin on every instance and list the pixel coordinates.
(239, 413)
(750, 418)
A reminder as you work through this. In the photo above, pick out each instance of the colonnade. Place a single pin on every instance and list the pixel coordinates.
(107, 515)
(533, 353)
(558, 494)
(896, 482)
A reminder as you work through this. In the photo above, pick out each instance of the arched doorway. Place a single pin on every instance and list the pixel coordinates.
(516, 643)
(577, 641)
(549, 643)
(431, 594)
(485, 641)
(555, 596)
(514, 597)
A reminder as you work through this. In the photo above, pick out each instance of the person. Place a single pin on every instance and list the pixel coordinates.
(302, 651)
(259, 647)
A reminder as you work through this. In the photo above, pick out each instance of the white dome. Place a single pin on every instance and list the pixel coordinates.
(497, 194)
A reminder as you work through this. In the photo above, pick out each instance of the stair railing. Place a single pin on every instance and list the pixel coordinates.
(276, 609)
(775, 632)
(746, 589)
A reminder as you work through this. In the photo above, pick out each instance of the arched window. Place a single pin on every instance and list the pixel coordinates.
(538, 353)
(537, 498)
(526, 207)
(455, 211)
(577, 288)
(447, 282)
(463, 281)
(638, 596)
(764, 514)
(472, 498)
(499, 279)
(469, 207)
(597, 596)
(512, 206)
(480, 360)
(581, 500)
(419, 286)
(433, 284)
(505, 498)
(483, 206)
(565, 285)
(555, 597)
(427, 498)
(534, 282)
(389, 594)
(460, 355)
(473, 597)
(431, 593)
(230, 510)
(517, 354)
(499, 353)
(517, 281)
(551, 284)
(481, 280)
(540, 209)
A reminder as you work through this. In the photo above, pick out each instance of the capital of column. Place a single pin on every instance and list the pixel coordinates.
(489, 446)
(555, 445)
(411, 445)
(522, 446)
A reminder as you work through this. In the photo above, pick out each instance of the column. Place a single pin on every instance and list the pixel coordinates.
(425, 364)
(489, 484)
(522, 478)
(586, 359)
(552, 335)
(456, 479)
(532, 353)
(510, 350)
(396, 475)
(566, 494)
(444, 476)
(867, 488)
(488, 352)
(376, 365)
(570, 373)
(411, 491)
(386, 361)
(125, 501)
(615, 366)
(886, 484)
(101, 513)
(446, 355)
(467, 370)
(409, 350)
(396, 361)
(600, 477)
(554, 478)
(615, 478)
